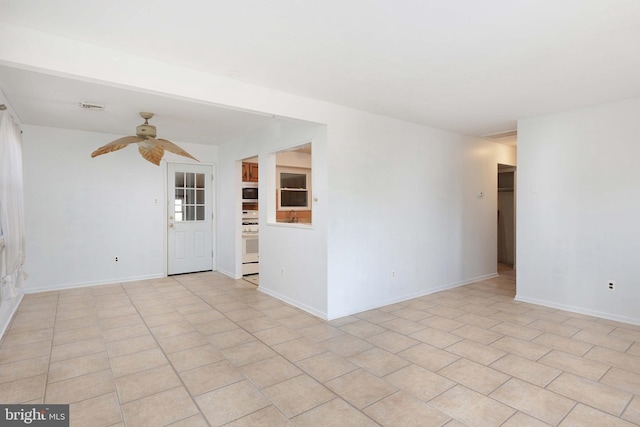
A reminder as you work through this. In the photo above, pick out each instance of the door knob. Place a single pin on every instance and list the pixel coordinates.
(170, 216)
(170, 225)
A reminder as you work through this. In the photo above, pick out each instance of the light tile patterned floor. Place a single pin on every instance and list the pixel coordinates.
(205, 350)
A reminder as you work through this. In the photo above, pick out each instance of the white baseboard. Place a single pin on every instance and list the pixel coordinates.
(412, 295)
(8, 309)
(60, 287)
(230, 274)
(294, 303)
(580, 310)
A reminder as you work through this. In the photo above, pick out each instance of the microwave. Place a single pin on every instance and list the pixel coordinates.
(249, 193)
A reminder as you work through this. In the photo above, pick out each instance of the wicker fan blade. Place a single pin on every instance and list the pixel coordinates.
(118, 144)
(151, 151)
(173, 148)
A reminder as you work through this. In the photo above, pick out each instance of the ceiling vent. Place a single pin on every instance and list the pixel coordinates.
(509, 134)
(89, 106)
(506, 138)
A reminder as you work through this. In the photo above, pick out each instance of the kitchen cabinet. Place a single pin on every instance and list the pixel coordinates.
(249, 172)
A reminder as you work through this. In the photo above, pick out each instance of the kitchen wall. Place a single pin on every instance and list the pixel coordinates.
(80, 213)
(294, 159)
(578, 209)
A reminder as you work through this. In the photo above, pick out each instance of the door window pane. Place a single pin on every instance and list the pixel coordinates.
(191, 199)
(189, 203)
(190, 214)
(191, 182)
(179, 179)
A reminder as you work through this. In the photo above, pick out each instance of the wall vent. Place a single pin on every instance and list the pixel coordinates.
(90, 106)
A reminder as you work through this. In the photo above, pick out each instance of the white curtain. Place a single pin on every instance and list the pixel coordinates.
(11, 208)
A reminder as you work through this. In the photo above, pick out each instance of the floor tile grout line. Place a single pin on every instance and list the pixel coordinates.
(510, 417)
(53, 336)
(244, 376)
(175, 371)
(113, 378)
(290, 361)
(633, 396)
(604, 374)
(582, 356)
(336, 397)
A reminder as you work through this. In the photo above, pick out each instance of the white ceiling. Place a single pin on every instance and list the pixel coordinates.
(473, 67)
(47, 100)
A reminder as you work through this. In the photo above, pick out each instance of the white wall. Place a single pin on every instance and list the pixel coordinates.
(229, 206)
(80, 213)
(301, 251)
(392, 194)
(578, 210)
(405, 198)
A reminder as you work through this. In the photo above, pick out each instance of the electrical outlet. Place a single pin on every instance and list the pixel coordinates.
(282, 271)
(116, 259)
(393, 273)
(612, 285)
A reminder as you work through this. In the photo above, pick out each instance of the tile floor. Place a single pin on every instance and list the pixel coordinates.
(253, 278)
(205, 350)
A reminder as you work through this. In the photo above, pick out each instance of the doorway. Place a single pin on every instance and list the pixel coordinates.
(189, 218)
(506, 216)
(250, 230)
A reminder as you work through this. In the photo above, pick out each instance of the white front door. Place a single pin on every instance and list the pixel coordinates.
(190, 210)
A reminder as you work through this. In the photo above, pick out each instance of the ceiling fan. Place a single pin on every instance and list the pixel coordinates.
(150, 147)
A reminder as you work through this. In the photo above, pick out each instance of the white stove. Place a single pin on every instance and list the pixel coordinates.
(250, 223)
(250, 242)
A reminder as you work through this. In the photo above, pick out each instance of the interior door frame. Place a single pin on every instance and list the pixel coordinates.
(165, 212)
(514, 169)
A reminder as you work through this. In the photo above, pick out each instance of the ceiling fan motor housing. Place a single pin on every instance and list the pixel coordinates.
(146, 130)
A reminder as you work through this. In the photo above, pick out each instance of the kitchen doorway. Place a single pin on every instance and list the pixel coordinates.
(506, 216)
(250, 230)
